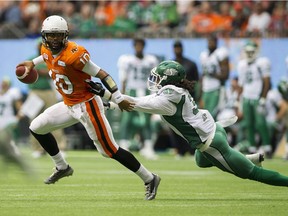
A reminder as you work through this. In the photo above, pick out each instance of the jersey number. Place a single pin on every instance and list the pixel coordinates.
(62, 82)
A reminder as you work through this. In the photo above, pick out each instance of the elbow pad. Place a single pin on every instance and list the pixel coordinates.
(109, 83)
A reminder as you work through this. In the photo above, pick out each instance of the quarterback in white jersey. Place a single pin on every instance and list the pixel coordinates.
(254, 82)
(173, 102)
(215, 71)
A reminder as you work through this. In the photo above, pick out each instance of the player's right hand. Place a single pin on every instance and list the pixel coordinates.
(126, 105)
(29, 64)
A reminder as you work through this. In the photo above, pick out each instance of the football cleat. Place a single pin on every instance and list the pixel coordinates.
(151, 188)
(58, 174)
(256, 158)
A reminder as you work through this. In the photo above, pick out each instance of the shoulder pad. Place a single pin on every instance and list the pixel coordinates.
(262, 60)
(170, 89)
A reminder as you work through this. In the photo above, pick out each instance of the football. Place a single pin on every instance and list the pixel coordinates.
(23, 76)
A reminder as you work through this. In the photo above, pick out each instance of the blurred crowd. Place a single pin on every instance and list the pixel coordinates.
(158, 18)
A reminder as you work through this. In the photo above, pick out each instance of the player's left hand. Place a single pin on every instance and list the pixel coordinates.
(96, 88)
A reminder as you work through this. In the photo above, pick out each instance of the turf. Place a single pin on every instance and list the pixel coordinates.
(100, 186)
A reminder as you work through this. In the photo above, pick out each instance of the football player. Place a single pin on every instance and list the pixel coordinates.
(254, 82)
(277, 105)
(215, 72)
(173, 102)
(70, 67)
(133, 71)
(10, 103)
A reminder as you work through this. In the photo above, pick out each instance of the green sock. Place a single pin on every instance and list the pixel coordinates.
(268, 177)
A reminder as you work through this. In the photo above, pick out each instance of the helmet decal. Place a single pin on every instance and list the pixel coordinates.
(166, 73)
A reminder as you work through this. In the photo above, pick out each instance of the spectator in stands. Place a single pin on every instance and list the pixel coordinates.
(205, 22)
(10, 19)
(70, 14)
(259, 20)
(140, 13)
(240, 20)
(184, 9)
(279, 20)
(87, 23)
(123, 26)
(225, 19)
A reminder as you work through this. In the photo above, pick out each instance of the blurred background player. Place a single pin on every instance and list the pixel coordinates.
(277, 107)
(10, 103)
(232, 108)
(215, 72)
(43, 92)
(133, 72)
(254, 84)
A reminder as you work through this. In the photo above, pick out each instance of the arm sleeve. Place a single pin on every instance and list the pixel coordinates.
(91, 68)
(38, 60)
(154, 104)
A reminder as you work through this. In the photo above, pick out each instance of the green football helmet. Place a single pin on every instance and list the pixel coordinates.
(251, 51)
(283, 88)
(166, 73)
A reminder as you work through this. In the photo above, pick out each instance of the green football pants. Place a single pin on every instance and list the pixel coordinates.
(211, 100)
(253, 120)
(221, 155)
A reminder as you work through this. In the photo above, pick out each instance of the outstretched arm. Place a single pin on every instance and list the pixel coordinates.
(153, 104)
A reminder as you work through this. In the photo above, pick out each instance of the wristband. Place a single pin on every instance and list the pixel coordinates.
(117, 97)
(37, 60)
(107, 95)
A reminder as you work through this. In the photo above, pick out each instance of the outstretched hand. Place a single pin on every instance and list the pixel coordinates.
(126, 105)
(96, 88)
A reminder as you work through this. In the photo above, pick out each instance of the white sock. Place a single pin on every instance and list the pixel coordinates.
(144, 174)
(59, 161)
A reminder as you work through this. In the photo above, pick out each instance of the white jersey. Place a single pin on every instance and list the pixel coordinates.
(135, 71)
(251, 76)
(210, 65)
(7, 115)
(273, 101)
(178, 109)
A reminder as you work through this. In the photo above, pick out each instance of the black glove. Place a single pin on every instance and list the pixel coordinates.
(96, 88)
(106, 105)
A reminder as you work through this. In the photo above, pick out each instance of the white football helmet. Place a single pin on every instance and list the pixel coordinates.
(56, 28)
(251, 51)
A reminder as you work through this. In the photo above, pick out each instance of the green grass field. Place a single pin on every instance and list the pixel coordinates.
(101, 186)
